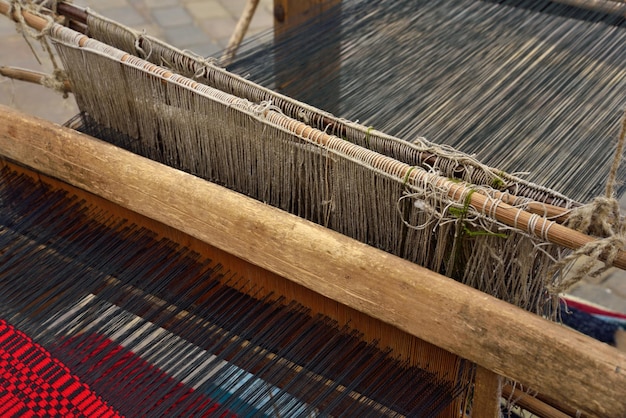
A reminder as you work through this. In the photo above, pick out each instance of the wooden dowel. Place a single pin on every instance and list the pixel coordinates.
(535, 405)
(30, 76)
(72, 11)
(566, 366)
(240, 32)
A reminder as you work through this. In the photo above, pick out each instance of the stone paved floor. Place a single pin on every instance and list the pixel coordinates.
(203, 26)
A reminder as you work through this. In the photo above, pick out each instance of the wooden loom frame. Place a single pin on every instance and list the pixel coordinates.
(503, 340)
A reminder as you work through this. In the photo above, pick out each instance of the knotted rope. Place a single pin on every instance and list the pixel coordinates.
(601, 218)
(57, 79)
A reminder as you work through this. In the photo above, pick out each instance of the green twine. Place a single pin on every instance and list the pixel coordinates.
(461, 214)
(497, 182)
(367, 138)
(406, 177)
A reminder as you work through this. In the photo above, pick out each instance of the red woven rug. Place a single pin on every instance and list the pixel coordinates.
(34, 383)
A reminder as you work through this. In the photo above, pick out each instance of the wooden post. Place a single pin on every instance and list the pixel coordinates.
(487, 393)
(290, 15)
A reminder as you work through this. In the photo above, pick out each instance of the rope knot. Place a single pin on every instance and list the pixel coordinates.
(58, 78)
(605, 248)
(600, 218)
(56, 81)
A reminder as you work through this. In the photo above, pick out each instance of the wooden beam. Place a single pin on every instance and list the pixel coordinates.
(567, 366)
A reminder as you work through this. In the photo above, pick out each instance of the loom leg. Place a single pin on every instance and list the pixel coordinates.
(487, 393)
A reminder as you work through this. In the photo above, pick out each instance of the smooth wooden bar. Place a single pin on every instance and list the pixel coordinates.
(537, 407)
(569, 367)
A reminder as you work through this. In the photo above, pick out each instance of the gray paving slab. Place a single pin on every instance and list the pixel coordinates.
(207, 9)
(183, 37)
(600, 295)
(218, 28)
(127, 15)
(169, 17)
(207, 49)
(235, 7)
(261, 21)
(155, 4)
(112, 4)
(153, 30)
(616, 281)
(7, 28)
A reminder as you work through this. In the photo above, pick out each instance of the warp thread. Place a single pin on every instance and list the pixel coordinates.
(57, 79)
(600, 218)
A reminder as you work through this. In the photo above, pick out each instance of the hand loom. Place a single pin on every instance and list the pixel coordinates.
(249, 254)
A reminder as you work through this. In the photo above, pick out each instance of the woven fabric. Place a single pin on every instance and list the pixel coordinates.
(97, 378)
(36, 384)
(594, 326)
(121, 376)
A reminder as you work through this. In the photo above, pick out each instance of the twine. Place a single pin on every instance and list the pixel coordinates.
(58, 77)
(600, 218)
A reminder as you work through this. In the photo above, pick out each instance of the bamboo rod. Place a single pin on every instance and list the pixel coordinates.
(569, 367)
